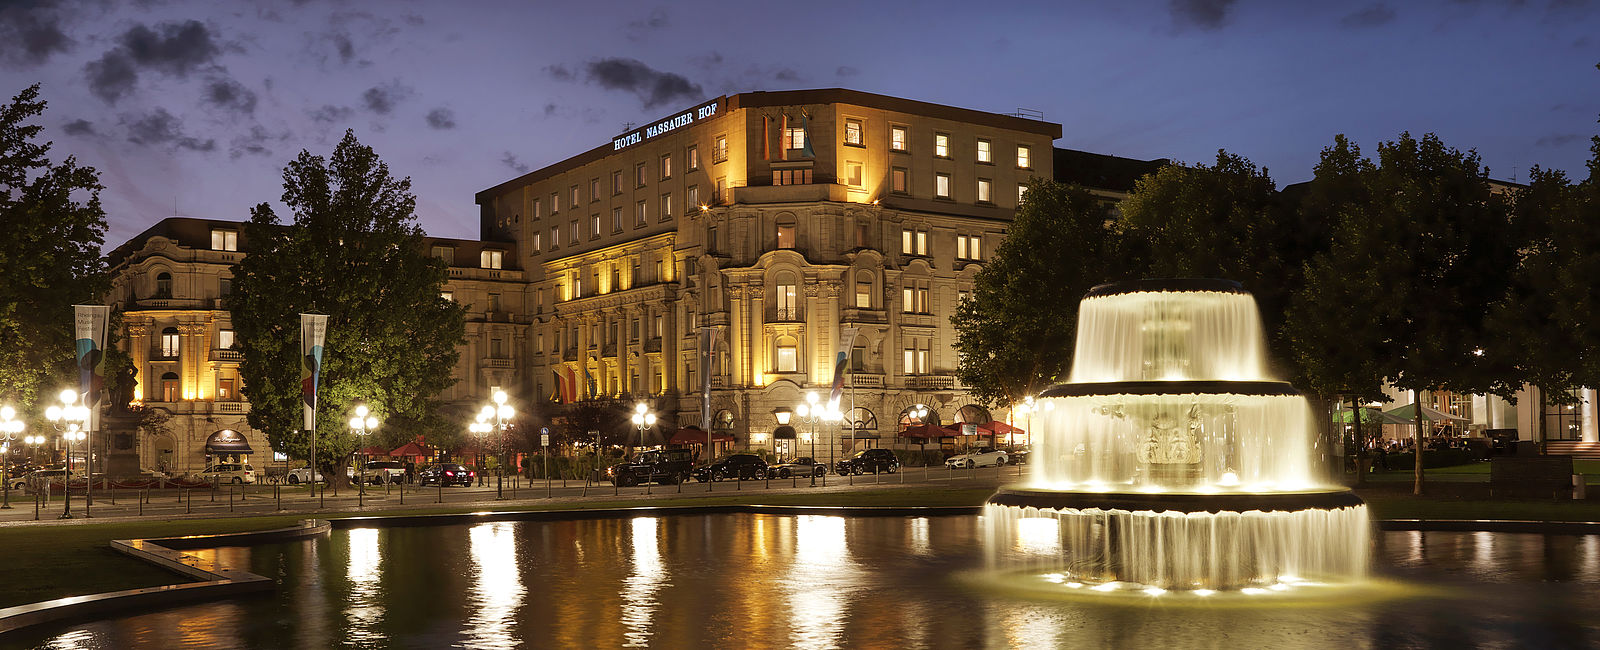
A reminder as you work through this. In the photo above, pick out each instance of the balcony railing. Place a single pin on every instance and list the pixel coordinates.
(608, 350)
(861, 315)
(865, 380)
(491, 362)
(227, 355)
(652, 345)
(930, 382)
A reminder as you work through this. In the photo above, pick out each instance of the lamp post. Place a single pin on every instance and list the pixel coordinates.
(9, 428)
(362, 424)
(498, 412)
(643, 419)
(812, 412)
(68, 418)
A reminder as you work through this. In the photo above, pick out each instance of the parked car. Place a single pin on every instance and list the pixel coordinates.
(37, 479)
(667, 466)
(378, 472)
(300, 475)
(235, 473)
(802, 466)
(981, 457)
(446, 474)
(17, 475)
(739, 466)
(869, 460)
(1018, 455)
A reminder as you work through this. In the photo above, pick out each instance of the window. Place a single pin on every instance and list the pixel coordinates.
(659, 328)
(446, 253)
(169, 343)
(616, 219)
(897, 138)
(490, 259)
(448, 295)
(711, 239)
(968, 247)
(962, 296)
(1022, 189)
(785, 235)
(1563, 421)
(854, 174)
(169, 387)
(538, 241)
(641, 214)
(794, 137)
(494, 302)
(555, 237)
(616, 182)
(941, 145)
(792, 176)
(941, 185)
(719, 149)
(225, 240)
(858, 357)
(576, 235)
(916, 358)
(163, 285)
(224, 339)
(572, 197)
(985, 151)
(694, 158)
(555, 203)
(666, 207)
(788, 355)
(864, 290)
(666, 166)
(638, 175)
(1024, 157)
(594, 189)
(863, 233)
(914, 298)
(594, 226)
(538, 208)
(897, 181)
(225, 287)
(691, 199)
(852, 132)
(225, 390)
(983, 190)
(497, 348)
(785, 299)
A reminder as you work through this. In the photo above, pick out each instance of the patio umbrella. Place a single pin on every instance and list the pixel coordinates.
(1409, 414)
(1368, 415)
(374, 450)
(928, 431)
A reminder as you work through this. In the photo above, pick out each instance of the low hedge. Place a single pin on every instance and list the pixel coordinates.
(1430, 459)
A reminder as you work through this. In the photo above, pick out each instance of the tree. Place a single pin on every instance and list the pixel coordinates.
(1015, 335)
(1418, 262)
(352, 252)
(50, 256)
(1222, 221)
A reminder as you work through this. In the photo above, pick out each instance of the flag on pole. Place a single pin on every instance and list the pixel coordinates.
(313, 333)
(706, 343)
(89, 323)
(841, 363)
(766, 137)
(783, 139)
(805, 128)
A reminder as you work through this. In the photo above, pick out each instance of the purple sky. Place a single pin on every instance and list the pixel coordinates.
(200, 104)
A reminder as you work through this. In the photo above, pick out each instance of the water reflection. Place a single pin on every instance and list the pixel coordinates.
(1038, 536)
(364, 606)
(639, 590)
(820, 582)
(919, 536)
(496, 591)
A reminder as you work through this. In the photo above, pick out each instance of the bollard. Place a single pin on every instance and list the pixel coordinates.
(188, 504)
(141, 503)
(277, 494)
(36, 505)
(214, 492)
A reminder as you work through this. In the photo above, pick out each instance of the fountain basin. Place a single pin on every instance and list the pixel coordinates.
(1180, 502)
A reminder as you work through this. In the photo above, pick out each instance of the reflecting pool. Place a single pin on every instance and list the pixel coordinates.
(741, 580)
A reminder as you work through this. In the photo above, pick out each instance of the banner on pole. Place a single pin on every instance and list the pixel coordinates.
(89, 325)
(313, 333)
(847, 339)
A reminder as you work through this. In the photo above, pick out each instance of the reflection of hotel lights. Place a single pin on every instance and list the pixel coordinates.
(497, 590)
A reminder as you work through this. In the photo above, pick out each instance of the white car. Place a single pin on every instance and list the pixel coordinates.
(300, 475)
(379, 472)
(984, 457)
(235, 473)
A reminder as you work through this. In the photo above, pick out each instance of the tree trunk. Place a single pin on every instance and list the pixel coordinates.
(1360, 442)
(1416, 415)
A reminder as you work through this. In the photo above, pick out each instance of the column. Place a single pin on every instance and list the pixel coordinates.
(138, 330)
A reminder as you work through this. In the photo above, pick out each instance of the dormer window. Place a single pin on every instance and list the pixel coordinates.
(490, 259)
(224, 240)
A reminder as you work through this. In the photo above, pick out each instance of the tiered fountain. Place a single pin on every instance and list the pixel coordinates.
(1171, 462)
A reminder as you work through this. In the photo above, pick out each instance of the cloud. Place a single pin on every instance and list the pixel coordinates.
(176, 49)
(331, 114)
(1372, 16)
(708, 61)
(343, 46)
(79, 127)
(639, 29)
(382, 99)
(1202, 14)
(254, 143)
(442, 118)
(653, 87)
(226, 93)
(510, 160)
(787, 75)
(1557, 140)
(160, 128)
(559, 72)
(847, 71)
(30, 32)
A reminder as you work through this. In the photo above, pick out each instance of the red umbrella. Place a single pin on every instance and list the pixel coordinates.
(1000, 428)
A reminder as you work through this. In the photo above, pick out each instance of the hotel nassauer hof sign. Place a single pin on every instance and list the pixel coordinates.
(669, 124)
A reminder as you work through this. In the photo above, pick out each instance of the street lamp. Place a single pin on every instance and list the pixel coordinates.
(812, 412)
(643, 420)
(498, 412)
(68, 418)
(362, 424)
(9, 428)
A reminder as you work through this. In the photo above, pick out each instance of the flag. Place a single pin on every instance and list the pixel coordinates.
(588, 383)
(313, 333)
(805, 128)
(89, 322)
(558, 396)
(766, 137)
(847, 339)
(783, 139)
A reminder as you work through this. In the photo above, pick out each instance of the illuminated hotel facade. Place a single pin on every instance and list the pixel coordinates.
(775, 219)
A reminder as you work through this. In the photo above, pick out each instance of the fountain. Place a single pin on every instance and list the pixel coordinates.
(1171, 461)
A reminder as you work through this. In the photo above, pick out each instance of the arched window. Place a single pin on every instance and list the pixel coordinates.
(169, 343)
(169, 387)
(862, 421)
(785, 297)
(917, 415)
(973, 414)
(163, 285)
(722, 421)
(788, 354)
(864, 289)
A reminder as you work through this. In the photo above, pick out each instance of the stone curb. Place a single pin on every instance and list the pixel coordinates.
(213, 579)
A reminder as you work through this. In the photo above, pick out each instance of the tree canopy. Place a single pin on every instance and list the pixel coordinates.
(352, 251)
(50, 256)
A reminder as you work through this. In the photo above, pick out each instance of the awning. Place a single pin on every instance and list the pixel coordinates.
(1001, 429)
(928, 431)
(411, 449)
(227, 441)
(693, 435)
(1409, 413)
(783, 432)
(374, 450)
(1369, 414)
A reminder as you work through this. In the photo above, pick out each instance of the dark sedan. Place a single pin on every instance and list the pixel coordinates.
(802, 466)
(737, 466)
(445, 474)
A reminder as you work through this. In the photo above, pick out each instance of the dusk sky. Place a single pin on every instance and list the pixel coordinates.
(193, 108)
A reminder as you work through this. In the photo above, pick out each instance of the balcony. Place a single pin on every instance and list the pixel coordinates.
(608, 350)
(465, 273)
(864, 380)
(861, 315)
(569, 354)
(227, 355)
(930, 382)
(652, 345)
(491, 362)
(232, 408)
(791, 193)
